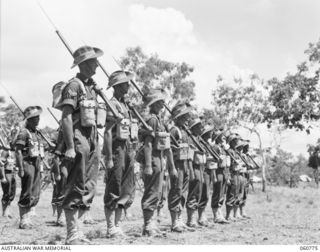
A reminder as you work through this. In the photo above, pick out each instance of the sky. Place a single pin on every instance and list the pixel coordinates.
(228, 38)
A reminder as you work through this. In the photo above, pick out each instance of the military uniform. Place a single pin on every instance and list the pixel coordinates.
(120, 183)
(245, 180)
(156, 150)
(29, 141)
(82, 173)
(233, 189)
(9, 186)
(198, 183)
(79, 99)
(222, 176)
(153, 183)
(183, 156)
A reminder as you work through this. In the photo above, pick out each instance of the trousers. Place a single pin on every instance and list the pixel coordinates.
(120, 185)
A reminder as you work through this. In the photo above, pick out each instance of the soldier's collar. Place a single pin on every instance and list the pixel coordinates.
(81, 77)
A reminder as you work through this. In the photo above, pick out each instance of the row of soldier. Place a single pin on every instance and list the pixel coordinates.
(196, 156)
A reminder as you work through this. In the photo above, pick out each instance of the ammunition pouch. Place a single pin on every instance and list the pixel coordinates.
(36, 150)
(161, 141)
(87, 113)
(184, 152)
(226, 161)
(199, 158)
(123, 129)
(134, 129)
(211, 164)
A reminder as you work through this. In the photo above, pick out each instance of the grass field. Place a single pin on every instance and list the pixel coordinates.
(280, 216)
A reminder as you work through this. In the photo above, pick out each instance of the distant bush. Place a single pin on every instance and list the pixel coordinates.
(285, 169)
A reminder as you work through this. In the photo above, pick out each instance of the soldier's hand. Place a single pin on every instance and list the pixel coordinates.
(70, 154)
(148, 170)
(228, 182)
(214, 180)
(109, 164)
(3, 180)
(174, 173)
(21, 173)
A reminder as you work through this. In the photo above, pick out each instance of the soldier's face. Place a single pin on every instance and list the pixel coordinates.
(158, 106)
(181, 120)
(123, 88)
(196, 130)
(89, 67)
(34, 121)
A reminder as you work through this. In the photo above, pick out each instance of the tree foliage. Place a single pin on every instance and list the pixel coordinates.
(239, 103)
(295, 100)
(285, 169)
(153, 72)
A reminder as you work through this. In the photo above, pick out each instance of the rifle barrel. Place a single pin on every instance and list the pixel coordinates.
(54, 117)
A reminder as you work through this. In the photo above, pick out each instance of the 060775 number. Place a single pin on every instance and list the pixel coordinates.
(309, 248)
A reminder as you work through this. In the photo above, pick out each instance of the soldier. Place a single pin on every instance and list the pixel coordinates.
(120, 142)
(222, 176)
(29, 155)
(245, 179)
(9, 183)
(81, 157)
(199, 182)
(233, 189)
(158, 153)
(177, 197)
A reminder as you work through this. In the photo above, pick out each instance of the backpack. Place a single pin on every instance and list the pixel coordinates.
(57, 91)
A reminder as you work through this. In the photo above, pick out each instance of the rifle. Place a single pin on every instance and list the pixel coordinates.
(54, 117)
(242, 158)
(197, 144)
(254, 162)
(97, 90)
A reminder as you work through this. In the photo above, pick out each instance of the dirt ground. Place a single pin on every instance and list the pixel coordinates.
(280, 216)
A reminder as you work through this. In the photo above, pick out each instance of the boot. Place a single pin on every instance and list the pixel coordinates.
(191, 218)
(175, 225)
(182, 224)
(60, 222)
(148, 229)
(236, 213)
(228, 213)
(202, 221)
(111, 229)
(243, 213)
(219, 216)
(87, 219)
(215, 214)
(6, 211)
(72, 227)
(25, 221)
(118, 220)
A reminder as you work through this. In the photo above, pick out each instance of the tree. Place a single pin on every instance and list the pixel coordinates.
(285, 169)
(239, 103)
(153, 72)
(10, 116)
(295, 100)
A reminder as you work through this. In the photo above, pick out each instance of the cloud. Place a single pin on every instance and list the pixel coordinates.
(170, 34)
